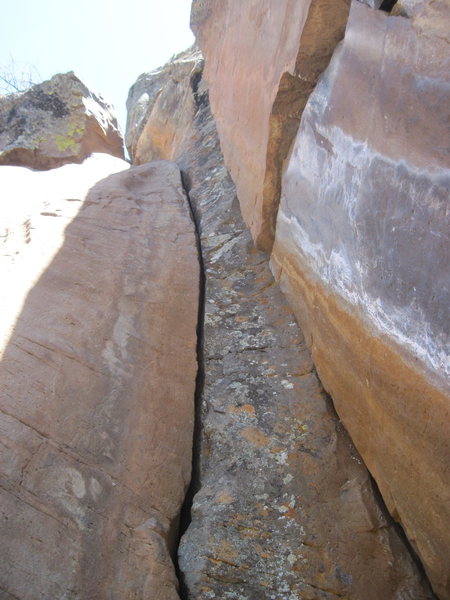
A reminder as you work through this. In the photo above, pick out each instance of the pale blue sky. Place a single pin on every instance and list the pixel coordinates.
(107, 43)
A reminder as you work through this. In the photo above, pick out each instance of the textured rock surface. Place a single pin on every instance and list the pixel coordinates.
(362, 251)
(152, 115)
(263, 58)
(57, 122)
(285, 508)
(99, 307)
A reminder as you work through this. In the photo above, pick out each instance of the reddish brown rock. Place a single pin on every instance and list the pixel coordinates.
(284, 507)
(362, 251)
(161, 107)
(97, 375)
(262, 61)
(56, 122)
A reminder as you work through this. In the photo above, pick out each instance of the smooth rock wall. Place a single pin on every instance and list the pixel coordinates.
(99, 305)
(362, 251)
(262, 60)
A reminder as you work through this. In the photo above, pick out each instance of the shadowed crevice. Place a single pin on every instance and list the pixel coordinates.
(391, 521)
(194, 486)
(388, 5)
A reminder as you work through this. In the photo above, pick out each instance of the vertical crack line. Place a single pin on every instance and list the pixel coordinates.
(391, 520)
(398, 527)
(185, 514)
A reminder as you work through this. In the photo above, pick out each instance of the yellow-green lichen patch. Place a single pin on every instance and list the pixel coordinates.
(70, 140)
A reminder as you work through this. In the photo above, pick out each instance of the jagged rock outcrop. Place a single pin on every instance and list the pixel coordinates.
(56, 122)
(363, 251)
(284, 506)
(157, 124)
(262, 62)
(100, 284)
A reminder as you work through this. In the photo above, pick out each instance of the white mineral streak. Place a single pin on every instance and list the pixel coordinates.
(344, 275)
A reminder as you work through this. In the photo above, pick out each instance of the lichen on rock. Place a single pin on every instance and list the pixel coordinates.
(56, 122)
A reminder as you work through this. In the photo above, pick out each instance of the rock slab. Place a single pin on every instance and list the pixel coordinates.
(99, 303)
(284, 507)
(56, 122)
(362, 251)
(157, 102)
(262, 60)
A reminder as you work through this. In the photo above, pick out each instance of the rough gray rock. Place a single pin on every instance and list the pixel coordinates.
(56, 122)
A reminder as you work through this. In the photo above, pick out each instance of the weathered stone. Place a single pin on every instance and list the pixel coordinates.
(57, 122)
(407, 8)
(372, 3)
(99, 307)
(284, 506)
(362, 252)
(152, 115)
(263, 58)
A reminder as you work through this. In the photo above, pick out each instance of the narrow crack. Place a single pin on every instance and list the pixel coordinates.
(391, 521)
(388, 5)
(400, 532)
(185, 515)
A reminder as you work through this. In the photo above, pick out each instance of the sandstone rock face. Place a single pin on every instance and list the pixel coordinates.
(157, 102)
(362, 251)
(99, 308)
(57, 122)
(284, 506)
(263, 58)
